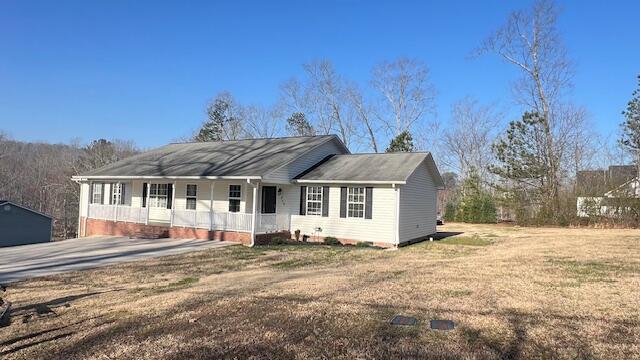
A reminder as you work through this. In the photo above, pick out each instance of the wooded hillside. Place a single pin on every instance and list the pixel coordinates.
(38, 175)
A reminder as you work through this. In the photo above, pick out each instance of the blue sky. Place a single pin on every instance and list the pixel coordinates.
(144, 70)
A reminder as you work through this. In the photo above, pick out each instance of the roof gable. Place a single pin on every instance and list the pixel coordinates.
(370, 168)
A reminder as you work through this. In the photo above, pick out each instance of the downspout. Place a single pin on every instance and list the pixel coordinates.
(397, 222)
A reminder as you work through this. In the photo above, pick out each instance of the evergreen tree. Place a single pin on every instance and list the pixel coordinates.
(522, 164)
(217, 117)
(402, 143)
(476, 204)
(631, 126)
(298, 125)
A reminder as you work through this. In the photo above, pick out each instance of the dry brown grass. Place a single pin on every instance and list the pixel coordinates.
(513, 293)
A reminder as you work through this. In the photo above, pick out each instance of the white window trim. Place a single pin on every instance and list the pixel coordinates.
(116, 194)
(363, 202)
(308, 201)
(97, 186)
(239, 197)
(187, 197)
(157, 196)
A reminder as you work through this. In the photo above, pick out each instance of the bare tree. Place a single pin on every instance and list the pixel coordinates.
(529, 40)
(323, 98)
(406, 94)
(365, 114)
(467, 140)
(327, 90)
(262, 122)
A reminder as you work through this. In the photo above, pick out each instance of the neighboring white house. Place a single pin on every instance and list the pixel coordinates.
(251, 190)
(616, 202)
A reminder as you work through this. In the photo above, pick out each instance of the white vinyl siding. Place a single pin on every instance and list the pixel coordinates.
(378, 229)
(418, 205)
(284, 174)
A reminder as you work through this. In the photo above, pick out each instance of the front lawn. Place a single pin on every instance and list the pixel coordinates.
(512, 292)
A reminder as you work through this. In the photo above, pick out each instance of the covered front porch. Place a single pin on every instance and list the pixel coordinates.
(243, 205)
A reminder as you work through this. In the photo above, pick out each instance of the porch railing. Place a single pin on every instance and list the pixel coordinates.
(118, 213)
(272, 222)
(211, 220)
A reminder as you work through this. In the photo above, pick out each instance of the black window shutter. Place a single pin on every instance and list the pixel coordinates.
(325, 201)
(368, 202)
(144, 195)
(90, 193)
(122, 195)
(102, 194)
(343, 202)
(303, 200)
(111, 186)
(169, 195)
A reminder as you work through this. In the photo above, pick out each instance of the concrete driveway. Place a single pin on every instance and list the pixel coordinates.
(26, 261)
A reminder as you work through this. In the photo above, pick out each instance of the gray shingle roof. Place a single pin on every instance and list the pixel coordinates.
(255, 157)
(383, 167)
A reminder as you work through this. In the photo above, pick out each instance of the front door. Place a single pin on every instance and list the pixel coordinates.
(268, 199)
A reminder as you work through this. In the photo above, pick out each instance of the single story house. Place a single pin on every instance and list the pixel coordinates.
(21, 226)
(252, 190)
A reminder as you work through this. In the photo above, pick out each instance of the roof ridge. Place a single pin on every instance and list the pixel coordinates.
(251, 139)
(388, 153)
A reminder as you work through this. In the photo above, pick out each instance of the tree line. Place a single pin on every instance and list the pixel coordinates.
(38, 175)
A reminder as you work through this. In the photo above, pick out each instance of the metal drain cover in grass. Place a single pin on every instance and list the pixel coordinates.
(403, 320)
(442, 325)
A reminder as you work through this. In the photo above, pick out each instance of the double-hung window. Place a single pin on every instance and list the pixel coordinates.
(158, 195)
(192, 196)
(96, 193)
(355, 202)
(117, 192)
(235, 193)
(314, 200)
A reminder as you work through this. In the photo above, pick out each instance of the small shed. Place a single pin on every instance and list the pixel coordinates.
(20, 225)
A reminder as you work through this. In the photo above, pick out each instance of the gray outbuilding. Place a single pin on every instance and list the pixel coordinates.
(21, 226)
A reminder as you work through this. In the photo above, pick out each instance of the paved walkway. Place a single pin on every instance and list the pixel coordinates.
(19, 262)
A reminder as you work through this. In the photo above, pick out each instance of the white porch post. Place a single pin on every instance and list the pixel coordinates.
(254, 205)
(173, 202)
(119, 194)
(211, 206)
(90, 199)
(146, 221)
